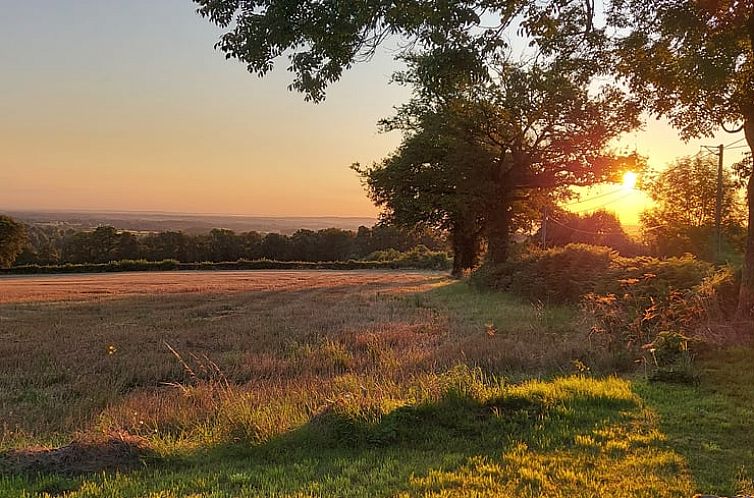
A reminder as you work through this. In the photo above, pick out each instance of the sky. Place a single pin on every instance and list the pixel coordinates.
(115, 105)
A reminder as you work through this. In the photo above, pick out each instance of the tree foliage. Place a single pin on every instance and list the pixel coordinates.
(52, 246)
(693, 62)
(324, 37)
(476, 157)
(688, 60)
(12, 240)
(683, 218)
(600, 228)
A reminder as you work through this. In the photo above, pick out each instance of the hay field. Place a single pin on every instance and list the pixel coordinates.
(26, 288)
(326, 383)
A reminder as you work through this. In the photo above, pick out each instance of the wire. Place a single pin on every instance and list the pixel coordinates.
(594, 198)
(702, 153)
(734, 143)
(714, 150)
(594, 208)
(581, 231)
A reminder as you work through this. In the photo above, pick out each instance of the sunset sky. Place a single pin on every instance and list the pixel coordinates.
(126, 105)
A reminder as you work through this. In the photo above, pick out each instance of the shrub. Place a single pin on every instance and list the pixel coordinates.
(560, 274)
(567, 274)
(113, 266)
(419, 257)
(660, 323)
(649, 308)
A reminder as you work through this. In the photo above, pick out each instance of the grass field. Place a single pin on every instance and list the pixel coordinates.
(343, 384)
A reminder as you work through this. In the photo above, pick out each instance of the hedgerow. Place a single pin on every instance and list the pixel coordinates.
(419, 258)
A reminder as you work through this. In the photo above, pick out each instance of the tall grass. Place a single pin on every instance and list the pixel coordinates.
(343, 385)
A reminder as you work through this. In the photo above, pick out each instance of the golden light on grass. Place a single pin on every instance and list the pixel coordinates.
(629, 180)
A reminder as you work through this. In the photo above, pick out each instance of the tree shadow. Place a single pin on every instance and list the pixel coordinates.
(339, 453)
(710, 423)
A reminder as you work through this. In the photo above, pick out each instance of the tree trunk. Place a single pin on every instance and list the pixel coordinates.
(746, 293)
(745, 309)
(465, 241)
(498, 232)
(457, 254)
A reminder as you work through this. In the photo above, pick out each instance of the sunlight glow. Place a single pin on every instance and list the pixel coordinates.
(629, 180)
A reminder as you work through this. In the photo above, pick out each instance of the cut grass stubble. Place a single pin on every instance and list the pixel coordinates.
(356, 386)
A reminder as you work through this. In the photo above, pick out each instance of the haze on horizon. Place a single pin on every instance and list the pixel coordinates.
(126, 106)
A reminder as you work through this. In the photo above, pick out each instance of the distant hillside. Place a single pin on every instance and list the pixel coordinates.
(189, 223)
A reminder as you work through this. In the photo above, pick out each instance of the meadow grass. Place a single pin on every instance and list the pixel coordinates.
(573, 436)
(419, 387)
(711, 424)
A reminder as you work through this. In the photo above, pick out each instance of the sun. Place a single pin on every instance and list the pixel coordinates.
(629, 180)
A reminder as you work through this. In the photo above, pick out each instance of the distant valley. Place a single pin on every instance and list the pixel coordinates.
(189, 223)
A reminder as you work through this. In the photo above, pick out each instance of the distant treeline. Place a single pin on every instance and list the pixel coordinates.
(418, 258)
(51, 246)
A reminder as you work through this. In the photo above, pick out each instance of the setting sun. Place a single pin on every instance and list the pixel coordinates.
(629, 180)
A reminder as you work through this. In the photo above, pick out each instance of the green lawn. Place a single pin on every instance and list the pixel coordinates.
(712, 425)
(502, 409)
(573, 436)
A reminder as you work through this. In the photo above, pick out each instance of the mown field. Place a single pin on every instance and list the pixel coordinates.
(344, 384)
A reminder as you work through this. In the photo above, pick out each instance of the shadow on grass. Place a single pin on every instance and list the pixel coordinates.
(556, 438)
(711, 424)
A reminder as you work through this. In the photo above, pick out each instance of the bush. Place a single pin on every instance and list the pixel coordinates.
(662, 319)
(420, 257)
(567, 274)
(559, 275)
(650, 308)
(113, 266)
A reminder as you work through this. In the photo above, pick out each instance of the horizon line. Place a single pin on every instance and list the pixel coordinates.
(180, 213)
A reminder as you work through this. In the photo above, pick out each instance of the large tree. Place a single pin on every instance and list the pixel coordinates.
(434, 179)
(540, 123)
(12, 240)
(692, 61)
(475, 156)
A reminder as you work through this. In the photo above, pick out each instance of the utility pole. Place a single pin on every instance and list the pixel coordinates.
(719, 200)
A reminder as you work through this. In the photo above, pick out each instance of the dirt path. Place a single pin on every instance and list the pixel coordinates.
(36, 288)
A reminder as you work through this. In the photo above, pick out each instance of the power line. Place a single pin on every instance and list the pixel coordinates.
(701, 153)
(715, 151)
(737, 141)
(582, 231)
(558, 222)
(606, 194)
(706, 152)
(594, 208)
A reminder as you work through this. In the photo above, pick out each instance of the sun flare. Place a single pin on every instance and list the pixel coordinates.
(629, 180)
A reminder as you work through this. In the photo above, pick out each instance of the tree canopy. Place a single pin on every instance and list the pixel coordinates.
(692, 61)
(473, 157)
(683, 217)
(323, 38)
(51, 245)
(600, 228)
(12, 240)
